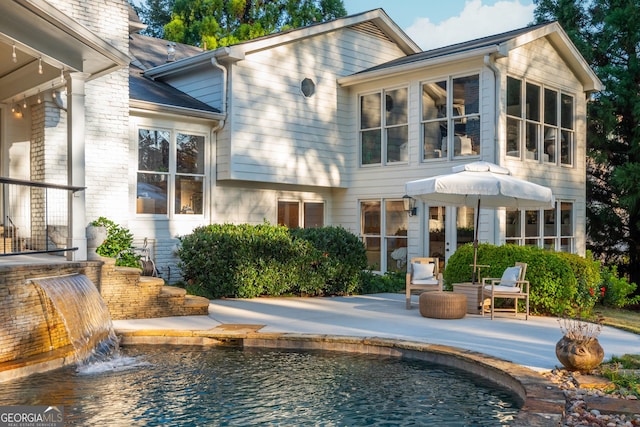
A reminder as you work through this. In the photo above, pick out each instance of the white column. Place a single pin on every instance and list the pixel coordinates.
(76, 164)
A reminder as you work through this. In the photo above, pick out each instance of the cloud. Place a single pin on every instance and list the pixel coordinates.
(476, 20)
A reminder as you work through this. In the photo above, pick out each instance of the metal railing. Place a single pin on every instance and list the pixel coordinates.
(35, 217)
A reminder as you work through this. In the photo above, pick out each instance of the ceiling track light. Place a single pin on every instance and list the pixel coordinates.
(24, 102)
(14, 57)
(61, 75)
(53, 91)
(39, 97)
(40, 71)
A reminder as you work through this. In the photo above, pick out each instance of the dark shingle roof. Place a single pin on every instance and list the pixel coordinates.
(455, 48)
(151, 51)
(147, 90)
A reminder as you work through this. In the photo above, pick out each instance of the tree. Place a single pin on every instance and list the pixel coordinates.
(155, 14)
(215, 23)
(607, 32)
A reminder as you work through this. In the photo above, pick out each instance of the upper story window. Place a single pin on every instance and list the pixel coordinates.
(384, 127)
(540, 123)
(294, 214)
(451, 118)
(170, 176)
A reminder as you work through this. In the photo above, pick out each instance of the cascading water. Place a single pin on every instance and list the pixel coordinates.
(85, 316)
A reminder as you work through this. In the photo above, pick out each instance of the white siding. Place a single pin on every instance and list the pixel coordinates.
(280, 136)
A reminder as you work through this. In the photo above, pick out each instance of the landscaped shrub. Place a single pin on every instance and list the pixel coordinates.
(559, 283)
(343, 257)
(118, 244)
(247, 261)
(616, 291)
(391, 281)
(252, 260)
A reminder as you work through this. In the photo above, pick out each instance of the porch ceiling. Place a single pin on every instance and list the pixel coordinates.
(39, 31)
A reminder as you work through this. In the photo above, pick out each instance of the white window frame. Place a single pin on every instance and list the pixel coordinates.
(172, 173)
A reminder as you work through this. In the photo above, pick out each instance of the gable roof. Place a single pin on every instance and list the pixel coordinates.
(375, 22)
(498, 45)
(152, 95)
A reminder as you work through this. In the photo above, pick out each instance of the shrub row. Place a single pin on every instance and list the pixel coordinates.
(246, 261)
(560, 283)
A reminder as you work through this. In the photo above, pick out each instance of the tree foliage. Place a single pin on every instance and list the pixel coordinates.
(216, 23)
(607, 32)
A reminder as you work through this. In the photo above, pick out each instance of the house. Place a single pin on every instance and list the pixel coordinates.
(315, 126)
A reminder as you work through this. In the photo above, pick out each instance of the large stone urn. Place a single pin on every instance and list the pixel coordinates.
(581, 355)
(96, 235)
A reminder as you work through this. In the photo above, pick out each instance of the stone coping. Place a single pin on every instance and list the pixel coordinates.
(543, 403)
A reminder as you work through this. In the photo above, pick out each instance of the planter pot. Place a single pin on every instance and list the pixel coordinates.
(579, 355)
(96, 235)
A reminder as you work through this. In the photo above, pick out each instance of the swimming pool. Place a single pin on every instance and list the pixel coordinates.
(198, 386)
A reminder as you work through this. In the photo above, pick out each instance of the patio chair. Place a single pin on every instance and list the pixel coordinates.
(423, 274)
(512, 285)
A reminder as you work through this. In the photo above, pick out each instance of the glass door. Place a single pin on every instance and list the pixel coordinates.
(448, 229)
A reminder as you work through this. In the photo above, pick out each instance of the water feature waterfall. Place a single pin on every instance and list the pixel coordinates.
(85, 315)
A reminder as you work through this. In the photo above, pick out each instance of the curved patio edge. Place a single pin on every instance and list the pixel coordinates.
(543, 404)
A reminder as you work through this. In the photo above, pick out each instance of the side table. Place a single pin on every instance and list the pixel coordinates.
(473, 293)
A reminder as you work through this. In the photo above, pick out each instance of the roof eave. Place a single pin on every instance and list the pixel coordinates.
(152, 107)
(366, 77)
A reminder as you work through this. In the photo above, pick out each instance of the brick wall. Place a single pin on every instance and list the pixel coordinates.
(30, 325)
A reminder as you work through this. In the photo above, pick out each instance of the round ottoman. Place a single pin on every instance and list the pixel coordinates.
(443, 305)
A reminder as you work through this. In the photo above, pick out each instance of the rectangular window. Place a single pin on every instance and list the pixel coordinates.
(451, 118)
(548, 118)
(383, 227)
(384, 135)
(552, 229)
(289, 214)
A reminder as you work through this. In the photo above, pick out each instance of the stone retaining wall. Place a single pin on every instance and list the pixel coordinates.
(30, 324)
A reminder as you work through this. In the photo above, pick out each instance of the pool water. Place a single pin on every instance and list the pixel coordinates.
(201, 386)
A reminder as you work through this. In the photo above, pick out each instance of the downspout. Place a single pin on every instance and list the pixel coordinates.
(214, 134)
(489, 61)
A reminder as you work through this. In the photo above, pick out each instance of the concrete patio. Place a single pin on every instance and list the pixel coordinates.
(529, 343)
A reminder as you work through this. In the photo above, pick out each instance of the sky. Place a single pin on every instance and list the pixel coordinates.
(436, 23)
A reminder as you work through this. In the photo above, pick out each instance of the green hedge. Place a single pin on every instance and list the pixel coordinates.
(560, 283)
(226, 260)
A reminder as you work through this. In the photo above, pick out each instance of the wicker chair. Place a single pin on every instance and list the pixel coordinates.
(423, 274)
(512, 285)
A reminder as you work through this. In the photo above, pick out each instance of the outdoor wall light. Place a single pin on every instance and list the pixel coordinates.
(409, 205)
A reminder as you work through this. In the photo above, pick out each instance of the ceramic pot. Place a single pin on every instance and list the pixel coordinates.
(579, 355)
(96, 235)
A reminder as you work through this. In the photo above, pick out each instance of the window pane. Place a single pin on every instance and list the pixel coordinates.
(550, 107)
(370, 223)
(513, 137)
(397, 144)
(550, 222)
(466, 141)
(371, 147)
(464, 226)
(151, 193)
(435, 137)
(550, 135)
(566, 214)
(396, 107)
(532, 141)
(434, 100)
(189, 195)
(566, 111)
(370, 217)
(514, 228)
(566, 147)
(437, 216)
(466, 95)
(288, 214)
(370, 111)
(313, 215)
(396, 218)
(531, 228)
(153, 150)
(533, 102)
(514, 97)
(190, 154)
